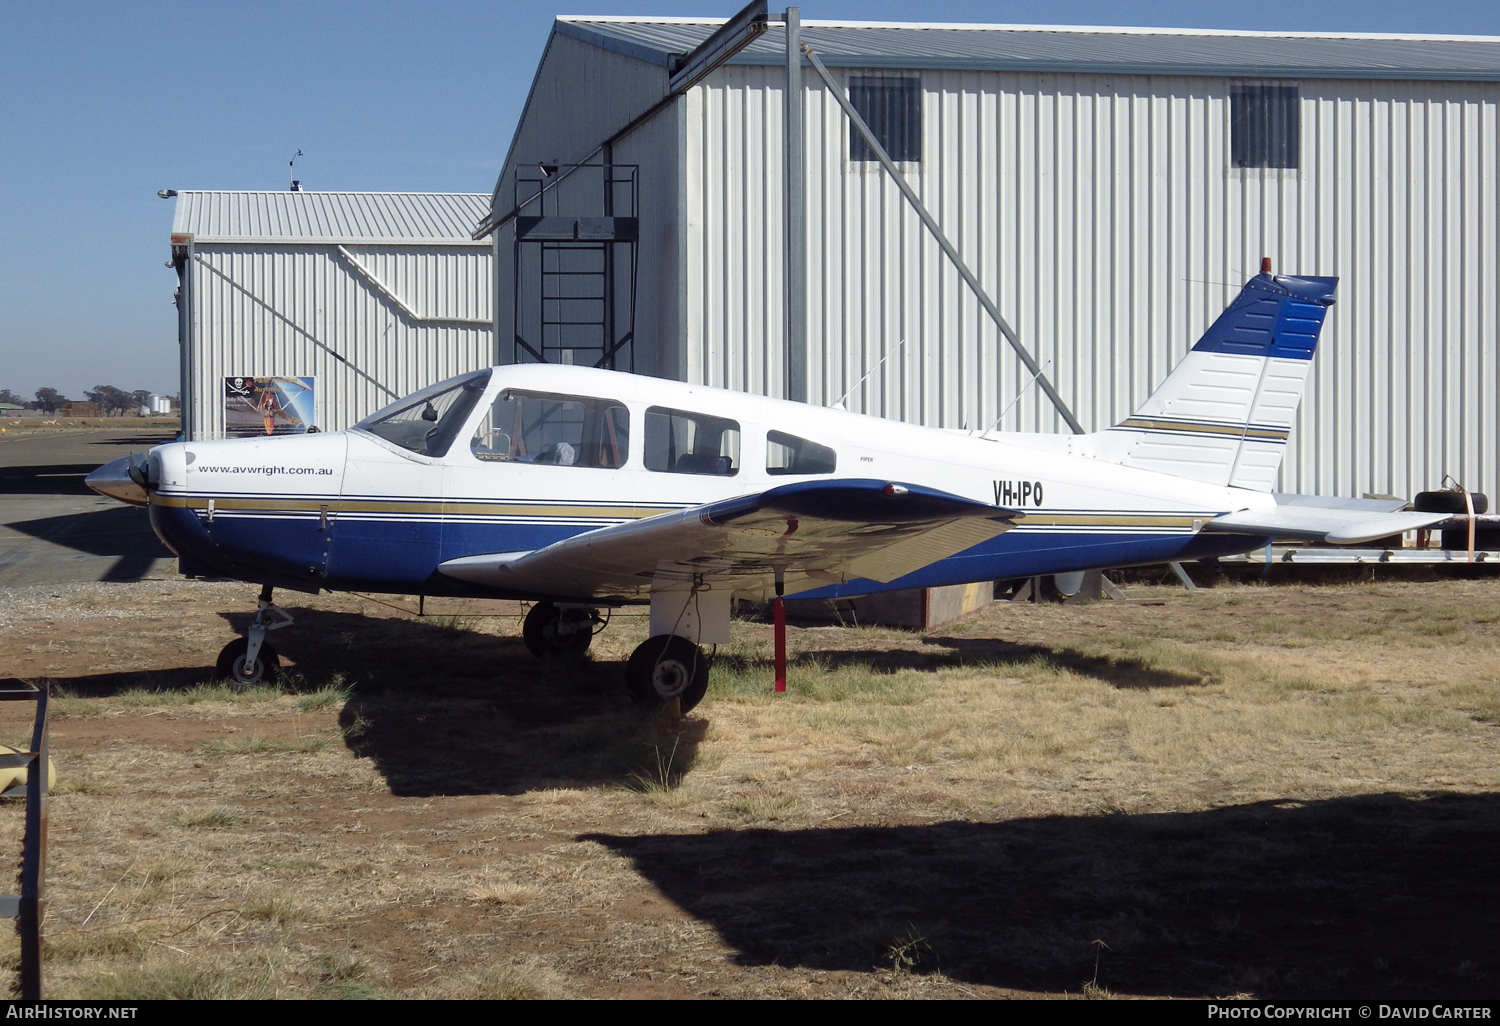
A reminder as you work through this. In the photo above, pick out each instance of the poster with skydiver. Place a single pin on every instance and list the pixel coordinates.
(268, 406)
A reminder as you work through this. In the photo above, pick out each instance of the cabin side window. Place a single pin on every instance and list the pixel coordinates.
(679, 442)
(788, 454)
(553, 430)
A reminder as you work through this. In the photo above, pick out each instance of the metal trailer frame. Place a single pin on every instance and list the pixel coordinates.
(28, 907)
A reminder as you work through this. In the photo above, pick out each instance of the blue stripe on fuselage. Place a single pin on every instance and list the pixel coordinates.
(402, 556)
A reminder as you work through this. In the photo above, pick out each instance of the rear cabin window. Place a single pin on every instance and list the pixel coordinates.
(679, 442)
(788, 454)
(554, 430)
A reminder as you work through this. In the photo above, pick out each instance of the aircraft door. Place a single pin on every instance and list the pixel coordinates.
(540, 467)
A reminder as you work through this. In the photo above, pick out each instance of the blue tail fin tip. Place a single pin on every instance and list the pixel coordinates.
(1273, 316)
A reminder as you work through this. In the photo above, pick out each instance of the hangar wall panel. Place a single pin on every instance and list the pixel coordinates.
(1103, 216)
(267, 309)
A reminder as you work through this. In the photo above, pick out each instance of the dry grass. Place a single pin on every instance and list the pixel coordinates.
(519, 979)
(1238, 792)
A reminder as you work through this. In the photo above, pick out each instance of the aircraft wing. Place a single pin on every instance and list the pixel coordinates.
(816, 533)
(1336, 521)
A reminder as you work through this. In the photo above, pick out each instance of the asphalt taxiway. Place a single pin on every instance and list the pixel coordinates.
(53, 529)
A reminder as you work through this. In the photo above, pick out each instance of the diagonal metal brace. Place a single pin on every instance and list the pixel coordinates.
(942, 240)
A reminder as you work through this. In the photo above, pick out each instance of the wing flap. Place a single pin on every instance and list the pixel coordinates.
(815, 533)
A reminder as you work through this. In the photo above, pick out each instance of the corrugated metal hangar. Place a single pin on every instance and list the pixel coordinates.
(1111, 189)
(356, 298)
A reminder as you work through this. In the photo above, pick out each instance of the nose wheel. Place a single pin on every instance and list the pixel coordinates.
(558, 632)
(234, 667)
(251, 660)
(667, 667)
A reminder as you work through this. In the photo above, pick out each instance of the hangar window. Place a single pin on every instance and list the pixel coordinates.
(1265, 125)
(788, 454)
(556, 430)
(892, 107)
(426, 422)
(678, 442)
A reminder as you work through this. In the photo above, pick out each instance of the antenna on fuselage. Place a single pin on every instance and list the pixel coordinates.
(1017, 399)
(840, 401)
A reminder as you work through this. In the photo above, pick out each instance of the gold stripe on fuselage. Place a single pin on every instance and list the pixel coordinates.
(1228, 430)
(1111, 520)
(409, 507)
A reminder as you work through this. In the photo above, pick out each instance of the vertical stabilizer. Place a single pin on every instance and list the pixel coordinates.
(1223, 414)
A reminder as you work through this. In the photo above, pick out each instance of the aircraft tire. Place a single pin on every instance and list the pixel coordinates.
(1450, 502)
(667, 667)
(543, 640)
(231, 665)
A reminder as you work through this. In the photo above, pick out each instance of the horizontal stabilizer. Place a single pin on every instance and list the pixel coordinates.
(815, 533)
(1357, 521)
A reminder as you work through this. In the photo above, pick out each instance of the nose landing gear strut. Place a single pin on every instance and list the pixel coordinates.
(251, 660)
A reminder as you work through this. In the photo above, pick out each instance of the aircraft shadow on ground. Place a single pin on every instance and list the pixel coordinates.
(1377, 895)
(51, 479)
(120, 531)
(447, 711)
(444, 710)
(956, 653)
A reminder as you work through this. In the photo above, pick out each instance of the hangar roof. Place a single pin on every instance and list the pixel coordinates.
(1070, 48)
(330, 217)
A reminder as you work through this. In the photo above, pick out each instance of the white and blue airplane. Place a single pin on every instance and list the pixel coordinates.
(582, 490)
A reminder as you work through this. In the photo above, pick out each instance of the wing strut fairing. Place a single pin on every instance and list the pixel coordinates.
(813, 533)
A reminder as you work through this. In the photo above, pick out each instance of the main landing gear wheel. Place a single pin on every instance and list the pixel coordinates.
(233, 668)
(667, 667)
(553, 633)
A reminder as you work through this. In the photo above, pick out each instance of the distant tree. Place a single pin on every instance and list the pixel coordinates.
(49, 399)
(7, 396)
(110, 399)
(140, 397)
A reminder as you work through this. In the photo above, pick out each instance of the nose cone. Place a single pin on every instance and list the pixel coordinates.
(123, 480)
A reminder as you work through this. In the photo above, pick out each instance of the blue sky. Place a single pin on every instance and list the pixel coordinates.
(102, 104)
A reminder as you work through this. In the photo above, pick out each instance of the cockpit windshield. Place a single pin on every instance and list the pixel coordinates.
(426, 422)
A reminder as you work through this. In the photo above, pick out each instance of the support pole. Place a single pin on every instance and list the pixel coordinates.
(1182, 575)
(947, 247)
(778, 617)
(796, 216)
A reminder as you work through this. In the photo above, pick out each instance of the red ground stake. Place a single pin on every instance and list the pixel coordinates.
(778, 612)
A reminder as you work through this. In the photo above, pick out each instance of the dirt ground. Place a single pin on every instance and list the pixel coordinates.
(1278, 792)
